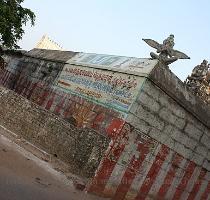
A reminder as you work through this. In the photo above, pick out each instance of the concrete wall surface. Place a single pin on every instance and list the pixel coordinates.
(81, 149)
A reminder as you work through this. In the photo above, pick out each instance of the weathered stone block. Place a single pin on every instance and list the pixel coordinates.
(193, 132)
(150, 118)
(153, 91)
(158, 135)
(206, 140)
(180, 123)
(208, 156)
(181, 149)
(168, 129)
(169, 117)
(206, 165)
(177, 135)
(170, 142)
(138, 123)
(197, 158)
(134, 108)
(189, 142)
(148, 102)
(201, 149)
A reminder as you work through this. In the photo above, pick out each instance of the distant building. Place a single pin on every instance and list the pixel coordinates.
(47, 43)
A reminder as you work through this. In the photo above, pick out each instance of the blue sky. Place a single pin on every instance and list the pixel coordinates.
(117, 27)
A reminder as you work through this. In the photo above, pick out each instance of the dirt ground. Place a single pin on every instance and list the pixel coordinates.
(25, 177)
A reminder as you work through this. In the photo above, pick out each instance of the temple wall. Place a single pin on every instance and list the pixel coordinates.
(160, 142)
(162, 150)
(81, 149)
(30, 78)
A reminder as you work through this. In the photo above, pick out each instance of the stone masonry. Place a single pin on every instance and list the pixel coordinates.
(176, 125)
(153, 144)
(164, 120)
(81, 149)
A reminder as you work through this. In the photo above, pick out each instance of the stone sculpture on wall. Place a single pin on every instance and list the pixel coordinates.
(199, 81)
(167, 54)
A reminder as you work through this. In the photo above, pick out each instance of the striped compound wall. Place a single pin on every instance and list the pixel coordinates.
(160, 132)
(138, 167)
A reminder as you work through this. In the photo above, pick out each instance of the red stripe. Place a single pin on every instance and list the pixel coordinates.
(18, 88)
(60, 105)
(181, 187)
(70, 109)
(107, 166)
(24, 84)
(170, 175)
(153, 172)
(197, 185)
(131, 172)
(1, 75)
(67, 111)
(43, 98)
(27, 87)
(17, 83)
(50, 101)
(33, 87)
(9, 79)
(5, 77)
(206, 192)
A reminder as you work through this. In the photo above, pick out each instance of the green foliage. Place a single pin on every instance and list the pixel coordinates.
(12, 19)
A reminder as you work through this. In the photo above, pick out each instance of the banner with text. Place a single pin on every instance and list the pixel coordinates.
(113, 89)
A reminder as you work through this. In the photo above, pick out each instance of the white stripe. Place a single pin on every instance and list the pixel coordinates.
(62, 109)
(162, 174)
(121, 166)
(55, 102)
(139, 179)
(115, 179)
(203, 186)
(191, 183)
(49, 97)
(207, 176)
(201, 189)
(65, 105)
(184, 195)
(177, 179)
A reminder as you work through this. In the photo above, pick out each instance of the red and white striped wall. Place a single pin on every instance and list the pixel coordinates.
(136, 167)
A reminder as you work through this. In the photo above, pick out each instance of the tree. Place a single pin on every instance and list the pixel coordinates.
(12, 19)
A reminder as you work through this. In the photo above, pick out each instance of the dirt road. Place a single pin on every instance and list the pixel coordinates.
(25, 177)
